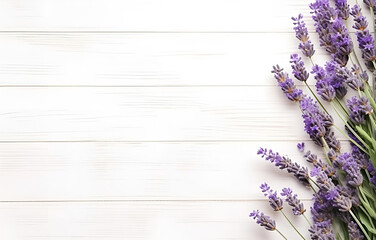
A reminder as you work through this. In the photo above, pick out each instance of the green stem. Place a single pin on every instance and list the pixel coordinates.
(309, 223)
(351, 140)
(342, 107)
(281, 234)
(372, 121)
(310, 58)
(368, 216)
(360, 225)
(292, 225)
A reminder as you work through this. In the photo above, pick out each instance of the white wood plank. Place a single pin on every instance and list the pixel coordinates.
(140, 220)
(149, 15)
(148, 114)
(118, 59)
(143, 171)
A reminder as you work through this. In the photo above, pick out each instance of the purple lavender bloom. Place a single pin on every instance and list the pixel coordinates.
(301, 173)
(286, 84)
(325, 183)
(333, 34)
(360, 75)
(359, 109)
(353, 81)
(342, 42)
(342, 203)
(347, 163)
(310, 157)
(365, 39)
(323, 86)
(301, 31)
(293, 201)
(322, 230)
(324, 15)
(274, 201)
(332, 141)
(278, 160)
(354, 231)
(298, 69)
(342, 8)
(335, 80)
(332, 155)
(301, 146)
(263, 220)
(370, 3)
(316, 123)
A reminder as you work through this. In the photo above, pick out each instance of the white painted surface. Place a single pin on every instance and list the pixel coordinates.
(141, 119)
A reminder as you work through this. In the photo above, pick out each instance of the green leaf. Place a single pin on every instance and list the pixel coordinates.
(365, 221)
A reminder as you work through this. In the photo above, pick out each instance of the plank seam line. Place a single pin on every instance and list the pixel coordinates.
(136, 86)
(144, 32)
(164, 141)
(140, 200)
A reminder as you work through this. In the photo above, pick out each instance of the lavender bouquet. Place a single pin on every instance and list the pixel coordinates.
(343, 184)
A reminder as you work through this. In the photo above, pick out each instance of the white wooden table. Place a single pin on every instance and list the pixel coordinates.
(141, 119)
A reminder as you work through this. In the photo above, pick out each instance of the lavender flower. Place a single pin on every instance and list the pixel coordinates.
(347, 163)
(365, 39)
(293, 201)
(324, 15)
(323, 86)
(298, 69)
(370, 3)
(354, 231)
(317, 124)
(301, 173)
(341, 41)
(274, 201)
(359, 108)
(342, 8)
(301, 146)
(286, 84)
(322, 230)
(335, 80)
(301, 31)
(353, 81)
(263, 220)
(310, 157)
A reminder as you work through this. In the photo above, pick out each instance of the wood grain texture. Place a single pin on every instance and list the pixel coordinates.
(142, 171)
(144, 59)
(126, 119)
(149, 114)
(149, 15)
(210, 220)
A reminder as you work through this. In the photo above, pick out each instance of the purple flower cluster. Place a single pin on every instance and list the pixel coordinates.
(344, 185)
(343, 9)
(286, 84)
(322, 230)
(298, 69)
(354, 231)
(263, 220)
(350, 166)
(323, 86)
(333, 34)
(301, 173)
(293, 201)
(331, 81)
(365, 39)
(317, 124)
(301, 31)
(359, 108)
(274, 201)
